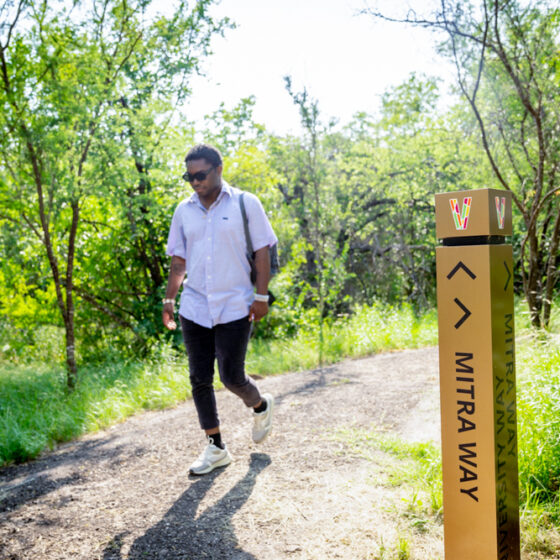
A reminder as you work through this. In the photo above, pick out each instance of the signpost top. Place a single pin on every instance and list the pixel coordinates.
(473, 213)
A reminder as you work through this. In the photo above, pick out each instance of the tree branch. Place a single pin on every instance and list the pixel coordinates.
(13, 24)
(97, 303)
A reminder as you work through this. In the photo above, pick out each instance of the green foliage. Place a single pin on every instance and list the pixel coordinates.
(506, 64)
(360, 200)
(88, 157)
(370, 329)
(419, 464)
(317, 214)
(506, 58)
(539, 420)
(231, 131)
(352, 207)
(538, 370)
(31, 344)
(37, 412)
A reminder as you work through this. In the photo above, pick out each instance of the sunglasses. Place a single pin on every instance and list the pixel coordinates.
(198, 176)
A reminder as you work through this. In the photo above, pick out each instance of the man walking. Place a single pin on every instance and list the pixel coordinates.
(207, 244)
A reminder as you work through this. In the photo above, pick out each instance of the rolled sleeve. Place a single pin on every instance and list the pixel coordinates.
(176, 240)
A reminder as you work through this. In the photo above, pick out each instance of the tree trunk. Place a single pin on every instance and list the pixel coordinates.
(551, 271)
(533, 292)
(71, 367)
(71, 374)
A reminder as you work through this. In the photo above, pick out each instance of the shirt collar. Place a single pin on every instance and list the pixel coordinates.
(227, 190)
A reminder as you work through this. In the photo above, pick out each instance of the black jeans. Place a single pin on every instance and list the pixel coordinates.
(228, 343)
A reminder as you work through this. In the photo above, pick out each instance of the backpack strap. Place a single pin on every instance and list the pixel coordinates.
(246, 226)
(251, 253)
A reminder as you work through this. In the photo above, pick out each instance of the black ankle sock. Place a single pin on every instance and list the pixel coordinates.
(217, 440)
(261, 408)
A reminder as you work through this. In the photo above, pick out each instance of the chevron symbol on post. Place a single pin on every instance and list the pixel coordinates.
(467, 313)
(508, 276)
(461, 265)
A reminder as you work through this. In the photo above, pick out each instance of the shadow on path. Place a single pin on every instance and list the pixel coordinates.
(180, 535)
(318, 379)
(38, 478)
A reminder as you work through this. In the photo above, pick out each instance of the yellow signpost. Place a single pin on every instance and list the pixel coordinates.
(477, 375)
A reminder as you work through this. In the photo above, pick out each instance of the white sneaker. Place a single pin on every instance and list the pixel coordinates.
(211, 458)
(263, 420)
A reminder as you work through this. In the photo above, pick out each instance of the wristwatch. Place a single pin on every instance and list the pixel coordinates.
(261, 297)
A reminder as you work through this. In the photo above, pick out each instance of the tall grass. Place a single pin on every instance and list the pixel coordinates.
(538, 405)
(538, 417)
(36, 412)
(369, 330)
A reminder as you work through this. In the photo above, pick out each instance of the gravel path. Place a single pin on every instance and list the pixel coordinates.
(125, 493)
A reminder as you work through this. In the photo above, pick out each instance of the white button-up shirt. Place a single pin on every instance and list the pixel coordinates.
(217, 288)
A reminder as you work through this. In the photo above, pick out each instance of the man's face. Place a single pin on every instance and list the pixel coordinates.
(209, 187)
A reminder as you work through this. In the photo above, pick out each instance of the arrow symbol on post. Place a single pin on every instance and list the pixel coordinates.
(509, 276)
(466, 315)
(461, 265)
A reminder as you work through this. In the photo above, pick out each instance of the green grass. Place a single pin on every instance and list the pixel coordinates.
(418, 465)
(538, 412)
(369, 330)
(538, 406)
(36, 412)
(539, 417)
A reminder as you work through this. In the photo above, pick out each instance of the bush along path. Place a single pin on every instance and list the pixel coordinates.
(318, 488)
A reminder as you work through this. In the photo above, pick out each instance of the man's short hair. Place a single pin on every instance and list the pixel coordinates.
(205, 151)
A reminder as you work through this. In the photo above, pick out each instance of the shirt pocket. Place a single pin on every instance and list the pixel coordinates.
(229, 230)
(194, 228)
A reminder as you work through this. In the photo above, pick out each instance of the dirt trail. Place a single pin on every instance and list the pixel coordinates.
(125, 493)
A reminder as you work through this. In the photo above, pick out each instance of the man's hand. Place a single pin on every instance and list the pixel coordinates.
(176, 277)
(168, 317)
(258, 310)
